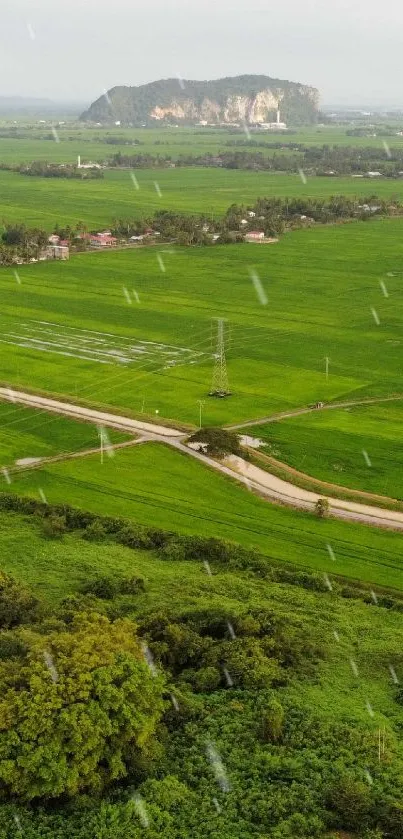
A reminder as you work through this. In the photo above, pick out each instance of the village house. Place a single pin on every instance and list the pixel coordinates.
(103, 240)
(60, 251)
(56, 249)
(254, 236)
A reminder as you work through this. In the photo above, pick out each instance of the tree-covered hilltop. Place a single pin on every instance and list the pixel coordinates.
(238, 99)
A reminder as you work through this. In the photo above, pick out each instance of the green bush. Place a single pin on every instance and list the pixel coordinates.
(11, 646)
(54, 526)
(17, 603)
(205, 680)
(322, 507)
(273, 722)
(106, 588)
(131, 585)
(95, 532)
(218, 442)
(350, 800)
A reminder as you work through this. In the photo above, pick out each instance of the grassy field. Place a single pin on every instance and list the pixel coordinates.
(68, 329)
(154, 485)
(329, 445)
(26, 433)
(45, 201)
(90, 142)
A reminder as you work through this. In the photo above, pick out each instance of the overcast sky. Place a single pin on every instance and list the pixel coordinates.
(73, 50)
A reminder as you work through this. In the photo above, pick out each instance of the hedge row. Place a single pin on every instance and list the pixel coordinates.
(170, 545)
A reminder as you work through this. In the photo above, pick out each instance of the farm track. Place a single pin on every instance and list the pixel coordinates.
(57, 458)
(258, 480)
(371, 400)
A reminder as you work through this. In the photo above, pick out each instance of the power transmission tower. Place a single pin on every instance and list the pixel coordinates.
(219, 385)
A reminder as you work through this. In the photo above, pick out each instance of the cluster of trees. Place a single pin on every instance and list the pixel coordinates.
(184, 229)
(79, 706)
(372, 131)
(138, 161)
(276, 215)
(187, 721)
(273, 216)
(315, 160)
(42, 169)
(218, 442)
(115, 140)
(20, 243)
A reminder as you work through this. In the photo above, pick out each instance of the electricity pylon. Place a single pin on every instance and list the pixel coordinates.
(219, 385)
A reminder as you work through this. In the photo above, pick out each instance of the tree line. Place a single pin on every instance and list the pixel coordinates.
(43, 169)
(315, 160)
(272, 216)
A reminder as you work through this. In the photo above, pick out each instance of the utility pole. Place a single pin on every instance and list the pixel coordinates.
(219, 385)
(201, 404)
(104, 443)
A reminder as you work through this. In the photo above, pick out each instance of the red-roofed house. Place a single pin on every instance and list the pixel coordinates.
(102, 240)
(254, 236)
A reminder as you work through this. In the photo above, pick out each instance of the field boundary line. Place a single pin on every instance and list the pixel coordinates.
(15, 468)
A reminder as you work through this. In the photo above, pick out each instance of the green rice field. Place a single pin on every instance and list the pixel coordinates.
(331, 446)
(29, 433)
(39, 143)
(68, 329)
(44, 202)
(157, 486)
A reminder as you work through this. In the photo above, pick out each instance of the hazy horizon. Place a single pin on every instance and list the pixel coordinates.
(349, 50)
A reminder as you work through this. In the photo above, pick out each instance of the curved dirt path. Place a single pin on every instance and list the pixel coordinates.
(297, 412)
(263, 483)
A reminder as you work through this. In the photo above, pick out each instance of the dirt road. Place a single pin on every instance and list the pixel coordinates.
(86, 414)
(256, 479)
(297, 412)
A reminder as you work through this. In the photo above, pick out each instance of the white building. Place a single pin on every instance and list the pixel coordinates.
(274, 126)
(89, 165)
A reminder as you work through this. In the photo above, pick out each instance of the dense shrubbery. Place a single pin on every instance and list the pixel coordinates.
(81, 711)
(78, 711)
(17, 604)
(106, 588)
(173, 546)
(217, 442)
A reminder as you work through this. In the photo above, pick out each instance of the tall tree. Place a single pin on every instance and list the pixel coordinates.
(79, 711)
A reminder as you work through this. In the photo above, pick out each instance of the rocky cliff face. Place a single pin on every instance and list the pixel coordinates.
(243, 99)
